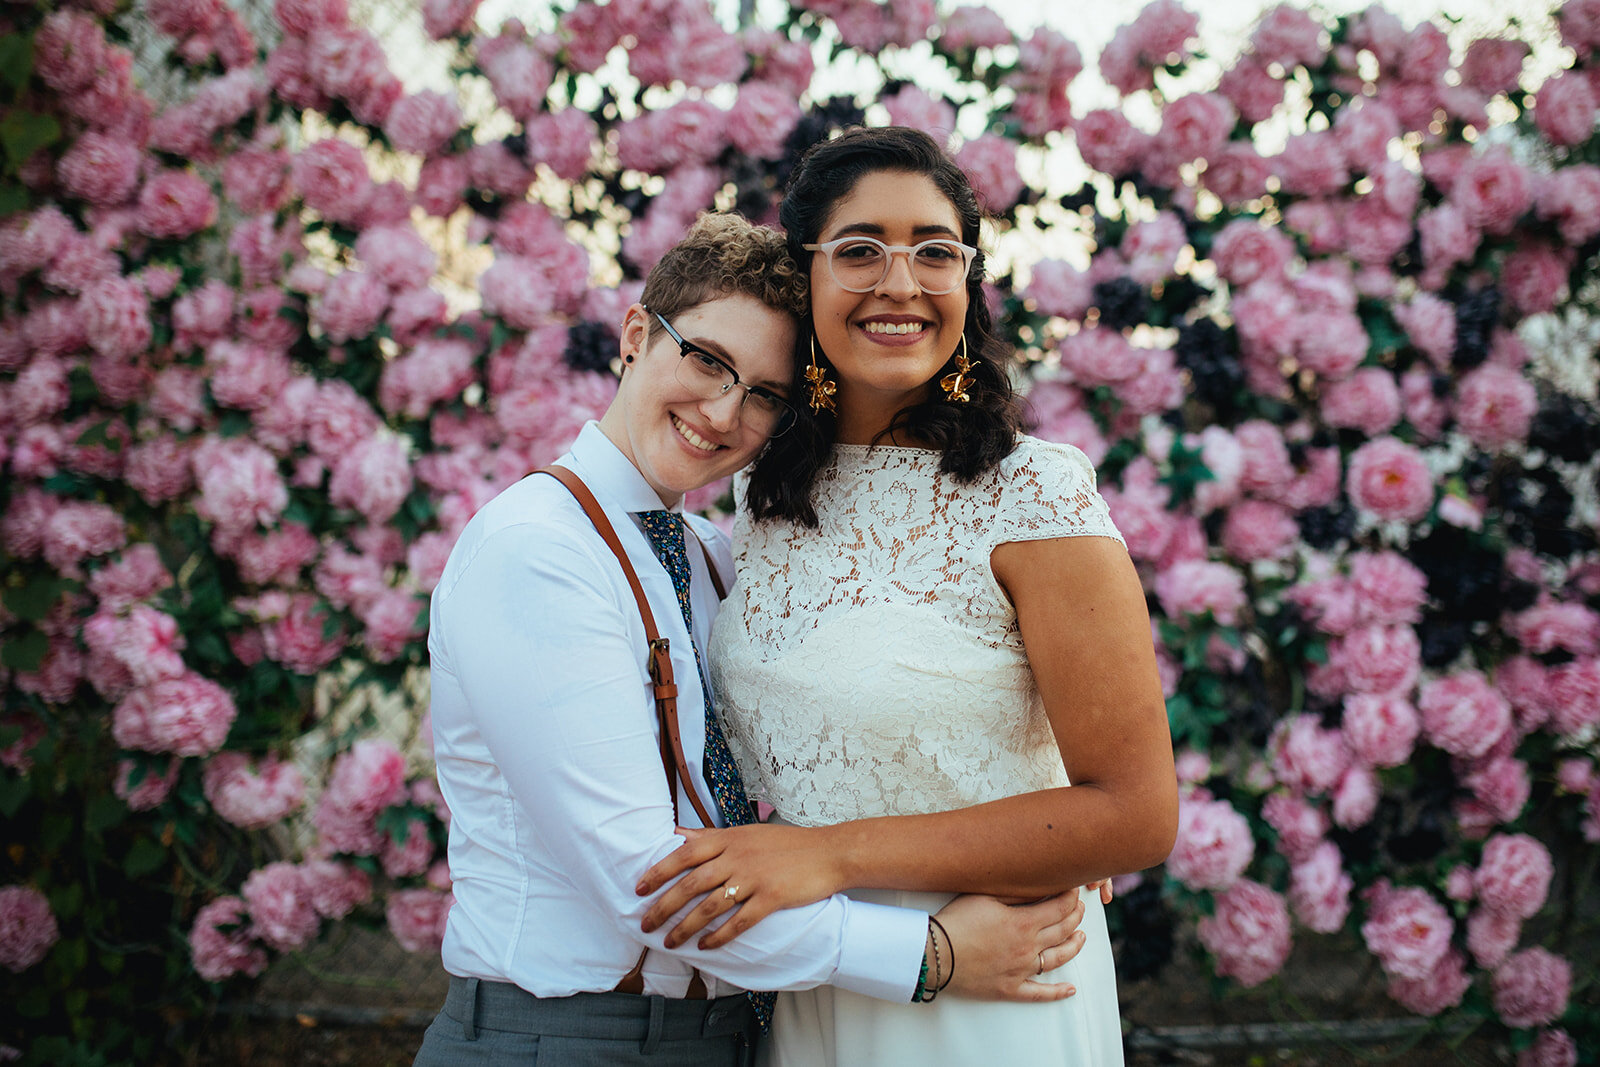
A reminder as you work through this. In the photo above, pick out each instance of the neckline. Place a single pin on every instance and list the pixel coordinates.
(865, 449)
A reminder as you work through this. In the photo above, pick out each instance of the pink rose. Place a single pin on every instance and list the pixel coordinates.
(1195, 587)
(1289, 36)
(1257, 530)
(280, 906)
(1355, 799)
(991, 165)
(100, 168)
(1193, 127)
(1379, 659)
(912, 106)
(1493, 190)
(391, 621)
(1534, 275)
(1513, 877)
(1059, 288)
(1380, 729)
(417, 917)
(374, 478)
(1462, 714)
(187, 716)
(1109, 143)
(563, 141)
(351, 306)
(1553, 624)
(1390, 479)
(1313, 164)
(220, 944)
(1368, 400)
(1331, 344)
(1550, 1048)
(1571, 198)
(1306, 756)
(1214, 845)
(336, 889)
(1407, 929)
(116, 317)
(1246, 252)
(175, 204)
(239, 484)
(1248, 933)
(1441, 988)
(28, 927)
(252, 796)
(1493, 65)
(446, 18)
(1364, 134)
(136, 574)
(1531, 988)
(1389, 589)
(332, 178)
(1574, 696)
(1151, 248)
(1319, 889)
(422, 122)
(1565, 108)
(662, 140)
(1237, 173)
(442, 184)
(158, 469)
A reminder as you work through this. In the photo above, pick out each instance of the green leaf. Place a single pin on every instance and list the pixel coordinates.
(22, 133)
(106, 811)
(26, 651)
(13, 198)
(16, 60)
(144, 857)
(13, 792)
(33, 600)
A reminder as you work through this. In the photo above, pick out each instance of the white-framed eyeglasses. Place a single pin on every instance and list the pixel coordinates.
(860, 264)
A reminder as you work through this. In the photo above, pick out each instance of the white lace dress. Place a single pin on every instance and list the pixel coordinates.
(874, 667)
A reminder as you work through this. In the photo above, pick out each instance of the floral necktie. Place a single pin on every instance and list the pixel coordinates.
(665, 532)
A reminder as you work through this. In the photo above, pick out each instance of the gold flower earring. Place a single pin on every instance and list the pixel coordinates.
(818, 385)
(955, 385)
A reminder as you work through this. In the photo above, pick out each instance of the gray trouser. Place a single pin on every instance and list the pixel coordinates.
(495, 1023)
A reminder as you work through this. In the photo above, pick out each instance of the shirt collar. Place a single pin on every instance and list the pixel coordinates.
(611, 476)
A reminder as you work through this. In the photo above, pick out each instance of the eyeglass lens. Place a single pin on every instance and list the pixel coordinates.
(860, 264)
(710, 378)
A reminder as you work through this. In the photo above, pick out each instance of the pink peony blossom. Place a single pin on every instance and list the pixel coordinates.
(1379, 659)
(336, 889)
(1299, 826)
(1573, 695)
(1491, 936)
(187, 716)
(1565, 108)
(28, 927)
(220, 944)
(239, 482)
(417, 917)
(252, 795)
(1214, 845)
(175, 203)
(1313, 164)
(1534, 276)
(1248, 933)
(1250, 87)
(1319, 889)
(332, 178)
(1531, 988)
(991, 165)
(1237, 173)
(1407, 929)
(423, 122)
(392, 622)
(1513, 877)
(1389, 589)
(1257, 530)
(1442, 988)
(116, 317)
(1551, 1048)
(1306, 756)
(1368, 400)
(1111, 144)
(299, 636)
(100, 168)
(1195, 587)
(151, 789)
(1331, 344)
(1390, 479)
(281, 911)
(1493, 191)
(77, 530)
(912, 106)
(761, 119)
(1380, 729)
(1462, 714)
(1571, 198)
(411, 856)
(374, 478)
(1355, 798)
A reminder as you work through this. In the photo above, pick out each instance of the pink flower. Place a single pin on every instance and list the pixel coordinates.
(351, 306)
(281, 910)
(1058, 288)
(1551, 1048)
(100, 168)
(1531, 988)
(417, 917)
(1493, 65)
(1513, 877)
(373, 478)
(1565, 111)
(391, 621)
(410, 857)
(1288, 36)
(1574, 696)
(187, 716)
(662, 140)
(1192, 127)
(28, 927)
(1313, 164)
(1300, 827)
(298, 637)
(1246, 252)
(1368, 400)
(563, 141)
(1407, 929)
(1355, 799)
(1491, 936)
(136, 574)
(761, 119)
(1493, 190)
(1364, 134)
(1319, 889)
(1214, 845)
(1379, 659)
(68, 49)
(435, 371)
(1534, 275)
(423, 122)
(991, 165)
(245, 375)
(1109, 143)
(1425, 410)
(1380, 729)
(442, 183)
(252, 796)
(1571, 198)
(1250, 87)
(239, 484)
(1443, 986)
(1462, 714)
(1237, 172)
(446, 18)
(175, 204)
(1248, 933)
(220, 942)
(336, 889)
(331, 176)
(1194, 587)
(1390, 479)
(1256, 530)
(912, 106)
(1430, 324)
(116, 317)
(1553, 624)
(1306, 756)
(1331, 344)
(77, 530)
(1389, 589)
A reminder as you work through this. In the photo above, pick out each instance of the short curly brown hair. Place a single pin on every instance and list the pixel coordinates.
(723, 254)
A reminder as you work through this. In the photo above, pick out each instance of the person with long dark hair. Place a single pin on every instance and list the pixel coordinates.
(936, 663)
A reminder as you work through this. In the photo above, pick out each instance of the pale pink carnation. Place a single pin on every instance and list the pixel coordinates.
(1248, 933)
(1407, 929)
(1381, 730)
(219, 943)
(1531, 988)
(1441, 988)
(1213, 847)
(1390, 479)
(28, 927)
(252, 795)
(280, 906)
(1319, 889)
(1462, 714)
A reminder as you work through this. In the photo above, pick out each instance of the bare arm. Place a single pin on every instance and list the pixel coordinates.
(1084, 623)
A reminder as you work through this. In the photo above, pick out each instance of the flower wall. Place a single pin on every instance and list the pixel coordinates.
(1322, 314)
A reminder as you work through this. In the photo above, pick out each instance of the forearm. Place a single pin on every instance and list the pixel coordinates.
(1028, 845)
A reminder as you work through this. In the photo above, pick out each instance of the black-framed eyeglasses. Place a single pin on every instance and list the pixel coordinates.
(709, 377)
(860, 264)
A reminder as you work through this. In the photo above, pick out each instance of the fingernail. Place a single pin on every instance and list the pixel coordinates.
(1071, 990)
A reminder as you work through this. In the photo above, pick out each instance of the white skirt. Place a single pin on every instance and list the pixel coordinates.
(828, 1027)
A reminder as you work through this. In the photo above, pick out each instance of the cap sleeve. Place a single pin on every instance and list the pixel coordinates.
(1049, 492)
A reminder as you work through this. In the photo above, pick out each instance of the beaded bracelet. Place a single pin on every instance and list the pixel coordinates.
(952, 944)
(922, 982)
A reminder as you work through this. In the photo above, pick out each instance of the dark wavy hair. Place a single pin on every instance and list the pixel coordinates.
(973, 437)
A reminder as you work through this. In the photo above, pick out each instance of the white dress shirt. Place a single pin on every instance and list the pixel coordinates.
(545, 738)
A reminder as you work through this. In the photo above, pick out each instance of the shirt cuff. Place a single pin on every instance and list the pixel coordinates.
(881, 950)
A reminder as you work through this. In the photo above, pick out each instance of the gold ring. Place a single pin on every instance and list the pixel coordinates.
(1041, 961)
(731, 892)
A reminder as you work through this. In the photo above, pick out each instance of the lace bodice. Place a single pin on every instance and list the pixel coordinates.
(874, 666)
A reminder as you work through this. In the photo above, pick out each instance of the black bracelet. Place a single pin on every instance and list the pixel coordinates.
(952, 945)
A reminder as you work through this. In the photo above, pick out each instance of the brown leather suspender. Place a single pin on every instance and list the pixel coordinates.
(661, 678)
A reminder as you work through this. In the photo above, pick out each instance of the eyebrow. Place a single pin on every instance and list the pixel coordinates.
(933, 229)
(716, 349)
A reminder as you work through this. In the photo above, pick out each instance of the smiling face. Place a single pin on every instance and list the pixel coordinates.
(887, 345)
(678, 441)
